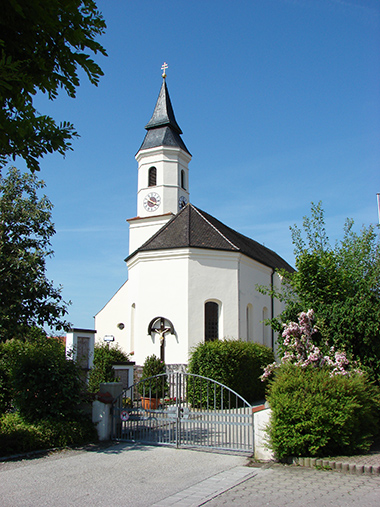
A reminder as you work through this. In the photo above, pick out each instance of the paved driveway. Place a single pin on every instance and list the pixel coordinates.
(143, 476)
(122, 474)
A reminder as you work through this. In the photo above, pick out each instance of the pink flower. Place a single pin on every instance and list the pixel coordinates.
(300, 350)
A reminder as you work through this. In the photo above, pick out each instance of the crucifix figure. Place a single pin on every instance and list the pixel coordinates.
(162, 331)
(163, 68)
(161, 326)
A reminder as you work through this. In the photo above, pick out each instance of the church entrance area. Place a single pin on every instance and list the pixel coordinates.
(183, 410)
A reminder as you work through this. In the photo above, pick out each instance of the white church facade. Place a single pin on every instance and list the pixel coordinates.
(190, 277)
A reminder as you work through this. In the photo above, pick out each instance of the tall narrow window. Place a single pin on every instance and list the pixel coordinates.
(211, 321)
(266, 328)
(183, 182)
(152, 177)
(249, 322)
(132, 338)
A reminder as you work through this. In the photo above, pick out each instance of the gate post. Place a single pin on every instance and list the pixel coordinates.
(261, 421)
(178, 410)
(101, 410)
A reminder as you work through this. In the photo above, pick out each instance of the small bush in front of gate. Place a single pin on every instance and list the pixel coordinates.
(315, 413)
(153, 387)
(105, 356)
(234, 363)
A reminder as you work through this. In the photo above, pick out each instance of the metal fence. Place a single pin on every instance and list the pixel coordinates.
(183, 410)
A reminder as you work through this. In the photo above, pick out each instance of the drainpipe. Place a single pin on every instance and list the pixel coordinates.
(272, 305)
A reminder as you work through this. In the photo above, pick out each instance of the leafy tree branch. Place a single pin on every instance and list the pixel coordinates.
(42, 47)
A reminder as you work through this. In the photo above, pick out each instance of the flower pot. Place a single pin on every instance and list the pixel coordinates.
(150, 403)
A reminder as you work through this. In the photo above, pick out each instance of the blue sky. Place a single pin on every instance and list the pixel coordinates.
(279, 103)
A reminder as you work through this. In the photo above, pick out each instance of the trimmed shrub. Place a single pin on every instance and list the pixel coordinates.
(154, 387)
(234, 363)
(19, 436)
(44, 383)
(317, 414)
(104, 357)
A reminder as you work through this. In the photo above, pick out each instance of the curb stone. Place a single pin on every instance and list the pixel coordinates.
(339, 466)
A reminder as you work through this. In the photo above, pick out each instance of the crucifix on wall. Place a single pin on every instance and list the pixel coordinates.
(161, 326)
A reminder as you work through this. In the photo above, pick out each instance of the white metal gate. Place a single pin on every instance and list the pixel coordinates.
(183, 410)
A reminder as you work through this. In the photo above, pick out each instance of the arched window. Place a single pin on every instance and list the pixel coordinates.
(152, 177)
(132, 339)
(211, 321)
(183, 182)
(249, 322)
(266, 329)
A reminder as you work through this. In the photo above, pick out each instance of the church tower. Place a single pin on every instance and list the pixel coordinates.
(163, 173)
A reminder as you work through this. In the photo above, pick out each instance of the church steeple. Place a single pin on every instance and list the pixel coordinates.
(163, 113)
(163, 129)
(163, 172)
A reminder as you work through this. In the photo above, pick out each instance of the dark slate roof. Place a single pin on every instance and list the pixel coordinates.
(163, 129)
(192, 227)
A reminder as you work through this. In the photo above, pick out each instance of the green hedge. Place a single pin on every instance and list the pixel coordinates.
(234, 363)
(316, 414)
(38, 380)
(44, 383)
(20, 436)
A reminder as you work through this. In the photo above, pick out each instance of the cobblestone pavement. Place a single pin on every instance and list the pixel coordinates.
(282, 485)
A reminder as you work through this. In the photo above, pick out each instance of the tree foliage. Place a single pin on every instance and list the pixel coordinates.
(341, 284)
(42, 47)
(27, 297)
(105, 356)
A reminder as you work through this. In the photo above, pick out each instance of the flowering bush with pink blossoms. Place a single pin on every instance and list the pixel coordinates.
(322, 404)
(300, 350)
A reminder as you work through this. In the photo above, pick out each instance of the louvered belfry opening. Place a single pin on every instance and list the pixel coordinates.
(211, 321)
(152, 177)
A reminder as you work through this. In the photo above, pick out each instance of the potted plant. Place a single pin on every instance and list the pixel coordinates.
(153, 383)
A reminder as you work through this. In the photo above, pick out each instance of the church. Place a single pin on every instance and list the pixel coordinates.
(190, 277)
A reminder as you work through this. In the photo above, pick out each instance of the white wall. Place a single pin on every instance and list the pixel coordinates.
(175, 284)
(158, 288)
(213, 276)
(109, 319)
(141, 229)
(252, 273)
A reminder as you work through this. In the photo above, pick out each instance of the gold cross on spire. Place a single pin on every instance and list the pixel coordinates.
(163, 68)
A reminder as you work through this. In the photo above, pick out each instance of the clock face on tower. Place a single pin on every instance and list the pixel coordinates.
(182, 202)
(152, 201)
